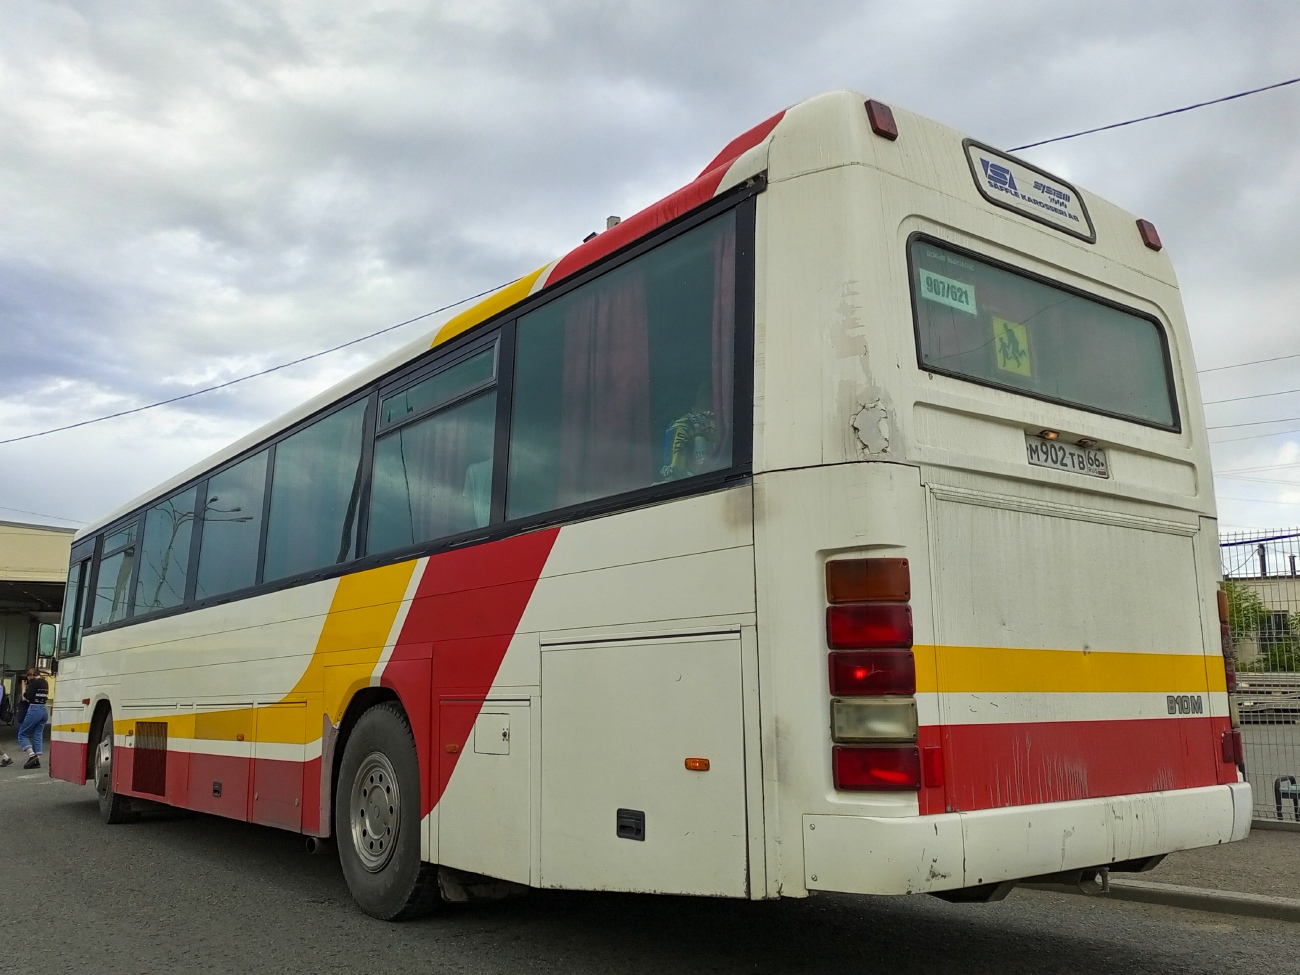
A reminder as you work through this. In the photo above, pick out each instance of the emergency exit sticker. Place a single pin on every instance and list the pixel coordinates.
(1011, 347)
(946, 291)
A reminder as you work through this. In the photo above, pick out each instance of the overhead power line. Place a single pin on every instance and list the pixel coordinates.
(1252, 423)
(363, 338)
(1238, 399)
(1255, 436)
(1147, 118)
(251, 375)
(1256, 362)
(42, 514)
(1226, 497)
(1258, 480)
(1252, 470)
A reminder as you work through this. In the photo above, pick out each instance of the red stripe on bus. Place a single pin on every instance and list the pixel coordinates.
(462, 619)
(989, 766)
(672, 206)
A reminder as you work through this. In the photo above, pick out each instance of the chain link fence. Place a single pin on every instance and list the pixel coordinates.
(1262, 580)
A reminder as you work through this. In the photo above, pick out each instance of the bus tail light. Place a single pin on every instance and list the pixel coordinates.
(855, 673)
(1225, 626)
(868, 581)
(877, 768)
(1234, 749)
(875, 719)
(1229, 661)
(865, 625)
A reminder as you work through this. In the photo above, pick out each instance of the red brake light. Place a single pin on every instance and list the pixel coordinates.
(872, 672)
(877, 768)
(870, 625)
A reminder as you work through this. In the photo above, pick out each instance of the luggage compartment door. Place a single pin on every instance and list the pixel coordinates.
(622, 808)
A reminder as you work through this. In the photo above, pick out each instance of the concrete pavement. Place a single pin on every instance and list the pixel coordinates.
(1259, 877)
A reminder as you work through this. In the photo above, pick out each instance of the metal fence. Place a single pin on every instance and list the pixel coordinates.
(1262, 580)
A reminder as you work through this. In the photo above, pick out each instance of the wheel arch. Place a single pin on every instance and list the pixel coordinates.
(361, 702)
(103, 708)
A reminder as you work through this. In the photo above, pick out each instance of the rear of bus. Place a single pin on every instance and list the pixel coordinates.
(986, 546)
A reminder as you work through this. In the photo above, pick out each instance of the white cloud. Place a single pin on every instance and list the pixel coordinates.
(191, 193)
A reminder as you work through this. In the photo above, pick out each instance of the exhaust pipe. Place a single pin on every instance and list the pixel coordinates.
(311, 844)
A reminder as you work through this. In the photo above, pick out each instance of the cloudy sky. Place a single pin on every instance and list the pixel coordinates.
(193, 192)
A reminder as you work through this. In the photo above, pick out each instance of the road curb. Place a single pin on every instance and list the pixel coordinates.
(1193, 898)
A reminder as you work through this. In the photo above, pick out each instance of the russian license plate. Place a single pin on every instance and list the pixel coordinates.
(1067, 457)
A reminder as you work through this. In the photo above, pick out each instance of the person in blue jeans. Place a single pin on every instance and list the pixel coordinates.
(31, 733)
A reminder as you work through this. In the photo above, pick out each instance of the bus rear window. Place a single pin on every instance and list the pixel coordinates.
(985, 323)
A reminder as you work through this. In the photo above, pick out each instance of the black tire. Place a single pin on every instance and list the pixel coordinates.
(377, 819)
(113, 808)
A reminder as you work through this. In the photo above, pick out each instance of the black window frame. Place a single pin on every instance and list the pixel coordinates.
(191, 557)
(366, 393)
(1170, 383)
(499, 331)
(137, 518)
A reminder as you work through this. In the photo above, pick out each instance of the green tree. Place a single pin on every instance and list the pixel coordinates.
(1250, 619)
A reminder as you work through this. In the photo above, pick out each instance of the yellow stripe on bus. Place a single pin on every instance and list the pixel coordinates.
(489, 306)
(359, 622)
(358, 625)
(1006, 670)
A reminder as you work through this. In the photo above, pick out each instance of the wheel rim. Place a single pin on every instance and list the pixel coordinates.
(375, 811)
(104, 764)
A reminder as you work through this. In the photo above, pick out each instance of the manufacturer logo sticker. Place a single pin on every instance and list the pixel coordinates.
(1015, 185)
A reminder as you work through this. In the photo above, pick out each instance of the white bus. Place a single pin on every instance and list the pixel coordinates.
(841, 522)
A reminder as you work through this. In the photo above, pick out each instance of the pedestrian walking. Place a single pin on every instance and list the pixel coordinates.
(31, 733)
(4, 759)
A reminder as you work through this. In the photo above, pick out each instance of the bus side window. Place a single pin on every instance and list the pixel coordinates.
(432, 476)
(113, 579)
(165, 554)
(315, 494)
(626, 382)
(231, 527)
(74, 605)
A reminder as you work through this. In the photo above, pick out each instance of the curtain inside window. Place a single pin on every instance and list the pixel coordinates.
(605, 440)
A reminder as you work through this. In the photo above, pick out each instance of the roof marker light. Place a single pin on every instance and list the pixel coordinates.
(881, 118)
(1149, 236)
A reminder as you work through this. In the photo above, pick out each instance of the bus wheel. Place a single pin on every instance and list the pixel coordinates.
(113, 808)
(377, 818)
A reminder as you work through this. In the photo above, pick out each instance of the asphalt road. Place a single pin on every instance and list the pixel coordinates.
(182, 893)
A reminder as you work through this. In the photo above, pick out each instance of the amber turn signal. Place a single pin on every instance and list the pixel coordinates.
(868, 581)
(697, 764)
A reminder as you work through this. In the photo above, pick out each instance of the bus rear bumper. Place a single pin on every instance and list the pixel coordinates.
(870, 855)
